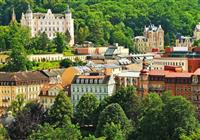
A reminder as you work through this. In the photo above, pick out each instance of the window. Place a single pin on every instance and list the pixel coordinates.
(86, 81)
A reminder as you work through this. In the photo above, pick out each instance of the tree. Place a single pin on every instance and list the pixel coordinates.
(78, 62)
(17, 105)
(194, 136)
(83, 33)
(151, 123)
(61, 109)
(180, 117)
(113, 113)
(196, 43)
(86, 110)
(131, 103)
(126, 97)
(18, 58)
(90, 137)
(113, 132)
(47, 131)
(60, 42)
(26, 121)
(66, 63)
(3, 133)
(41, 44)
(15, 33)
(173, 116)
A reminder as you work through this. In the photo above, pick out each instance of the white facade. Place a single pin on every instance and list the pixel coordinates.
(49, 23)
(100, 86)
(160, 63)
(54, 57)
(47, 97)
(197, 31)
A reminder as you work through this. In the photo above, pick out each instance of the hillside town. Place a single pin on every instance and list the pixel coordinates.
(85, 70)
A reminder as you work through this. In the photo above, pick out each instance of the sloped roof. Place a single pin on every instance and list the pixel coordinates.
(53, 72)
(170, 74)
(22, 76)
(104, 79)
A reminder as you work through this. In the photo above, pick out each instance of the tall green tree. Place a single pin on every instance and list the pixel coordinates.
(18, 58)
(86, 110)
(127, 98)
(26, 121)
(114, 113)
(61, 109)
(151, 123)
(180, 117)
(60, 42)
(18, 104)
(113, 132)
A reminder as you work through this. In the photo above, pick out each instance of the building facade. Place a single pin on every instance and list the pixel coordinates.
(99, 85)
(127, 78)
(49, 23)
(186, 84)
(153, 38)
(28, 84)
(142, 44)
(184, 41)
(197, 32)
(48, 94)
(160, 63)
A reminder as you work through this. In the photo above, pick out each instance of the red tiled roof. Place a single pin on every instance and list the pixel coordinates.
(82, 50)
(178, 74)
(157, 72)
(197, 72)
(170, 74)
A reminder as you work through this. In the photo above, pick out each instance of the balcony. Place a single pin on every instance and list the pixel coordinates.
(195, 91)
(156, 89)
(5, 100)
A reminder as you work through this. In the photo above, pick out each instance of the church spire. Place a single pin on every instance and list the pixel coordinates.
(13, 15)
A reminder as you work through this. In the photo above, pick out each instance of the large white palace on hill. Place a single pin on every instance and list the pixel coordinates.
(49, 23)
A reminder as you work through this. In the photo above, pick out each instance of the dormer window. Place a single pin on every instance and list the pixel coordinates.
(82, 81)
(86, 81)
(77, 81)
(100, 81)
(95, 81)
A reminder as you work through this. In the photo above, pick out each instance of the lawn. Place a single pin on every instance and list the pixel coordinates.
(46, 65)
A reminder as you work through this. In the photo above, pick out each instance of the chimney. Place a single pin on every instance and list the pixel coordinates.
(116, 44)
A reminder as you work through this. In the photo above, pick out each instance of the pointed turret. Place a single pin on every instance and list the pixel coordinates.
(29, 9)
(68, 9)
(13, 15)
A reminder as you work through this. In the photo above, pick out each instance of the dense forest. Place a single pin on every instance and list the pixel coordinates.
(109, 21)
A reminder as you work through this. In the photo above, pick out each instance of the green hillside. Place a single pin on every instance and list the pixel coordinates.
(108, 21)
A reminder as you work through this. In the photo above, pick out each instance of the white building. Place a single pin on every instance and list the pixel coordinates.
(99, 85)
(197, 32)
(49, 23)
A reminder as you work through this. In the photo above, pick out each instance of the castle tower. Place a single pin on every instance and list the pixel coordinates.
(70, 21)
(144, 79)
(13, 15)
(27, 19)
(160, 38)
(197, 32)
